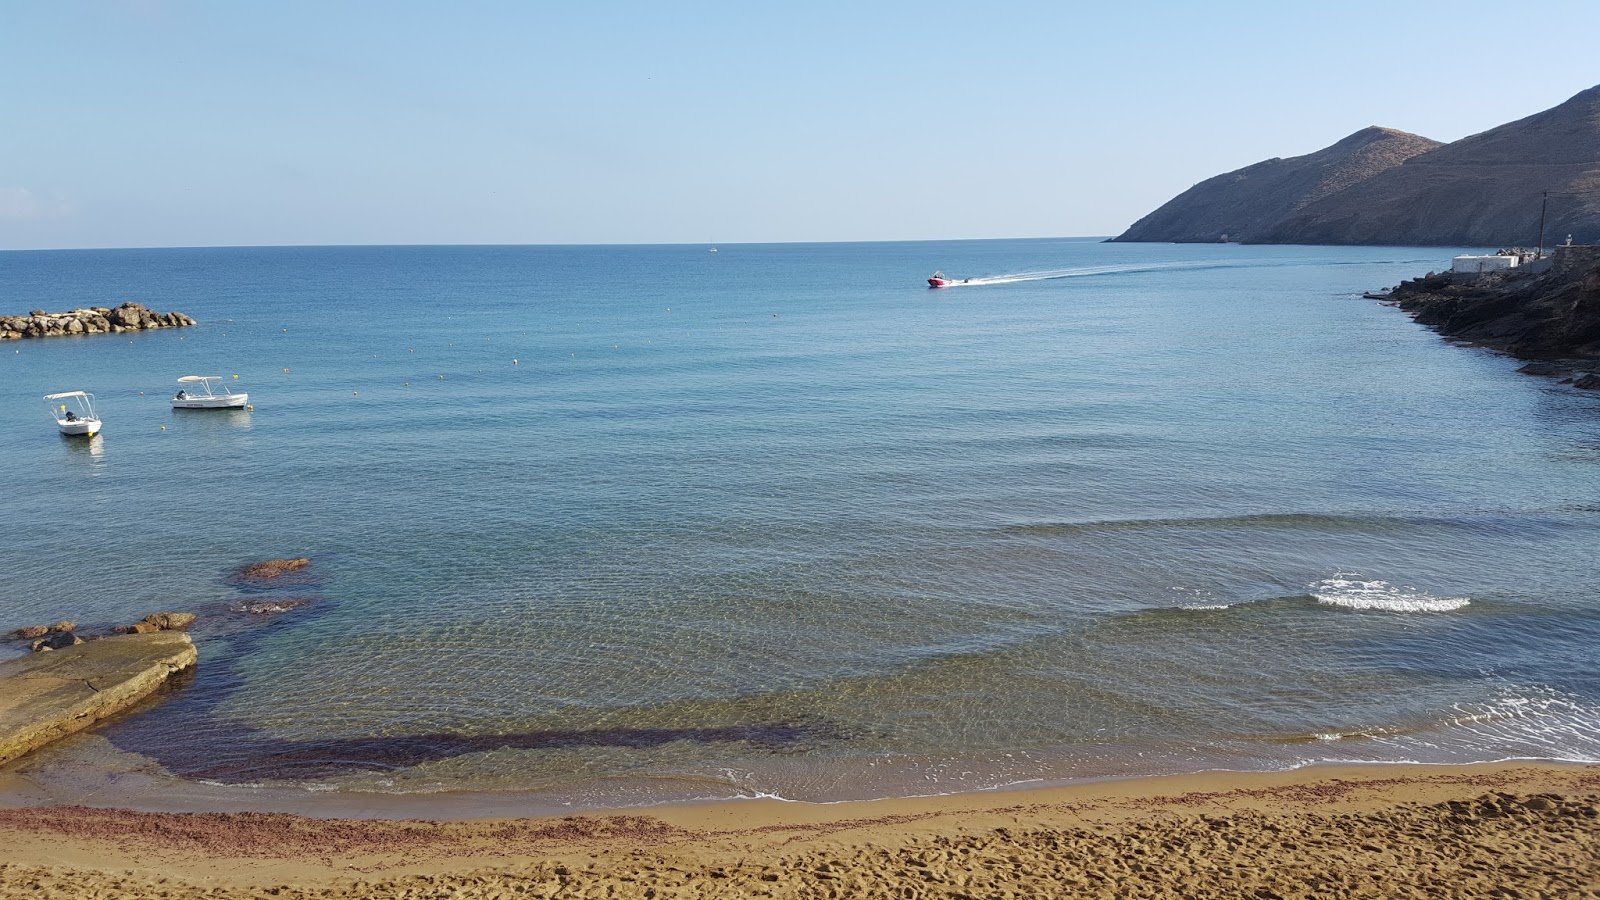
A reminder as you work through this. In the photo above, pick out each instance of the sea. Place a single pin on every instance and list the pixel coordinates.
(601, 527)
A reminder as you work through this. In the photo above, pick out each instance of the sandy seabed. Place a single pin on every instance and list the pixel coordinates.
(1503, 830)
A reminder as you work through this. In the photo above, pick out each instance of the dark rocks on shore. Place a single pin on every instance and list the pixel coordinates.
(56, 640)
(129, 316)
(1551, 319)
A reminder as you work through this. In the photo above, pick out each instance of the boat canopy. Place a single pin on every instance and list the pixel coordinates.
(191, 379)
(65, 394)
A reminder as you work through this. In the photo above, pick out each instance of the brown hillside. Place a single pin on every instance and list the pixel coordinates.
(1483, 190)
(1247, 204)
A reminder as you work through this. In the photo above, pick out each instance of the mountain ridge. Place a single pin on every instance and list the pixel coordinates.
(1385, 186)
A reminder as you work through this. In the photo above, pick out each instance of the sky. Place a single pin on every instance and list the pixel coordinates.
(156, 123)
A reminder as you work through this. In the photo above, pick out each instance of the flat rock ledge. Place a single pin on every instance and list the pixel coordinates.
(47, 696)
(129, 316)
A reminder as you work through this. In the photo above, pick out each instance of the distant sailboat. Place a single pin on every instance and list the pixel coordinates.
(712, 248)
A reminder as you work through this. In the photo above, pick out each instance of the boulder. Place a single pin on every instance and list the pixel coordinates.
(64, 625)
(1589, 381)
(170, 621)
(158, 622)
(31, 632)
(55, 641)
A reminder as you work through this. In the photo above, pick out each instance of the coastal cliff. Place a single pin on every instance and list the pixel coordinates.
(1380, 186)
(1552, 318)
(89, 320)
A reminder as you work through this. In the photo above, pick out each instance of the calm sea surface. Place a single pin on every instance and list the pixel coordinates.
(601, 526)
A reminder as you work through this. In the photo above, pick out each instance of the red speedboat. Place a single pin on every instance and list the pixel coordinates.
(937, 279)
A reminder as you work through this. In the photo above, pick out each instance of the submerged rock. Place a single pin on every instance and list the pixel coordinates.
(272, 607)
(273, 568)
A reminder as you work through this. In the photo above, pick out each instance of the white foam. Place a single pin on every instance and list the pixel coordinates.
(1352, 592)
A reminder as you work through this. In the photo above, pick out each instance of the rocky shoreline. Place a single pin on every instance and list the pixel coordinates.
(129, 316)
(1551, 319)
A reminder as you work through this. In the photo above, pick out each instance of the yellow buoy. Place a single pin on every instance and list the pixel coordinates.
(250, 406)
(236, 376)
(163, 428)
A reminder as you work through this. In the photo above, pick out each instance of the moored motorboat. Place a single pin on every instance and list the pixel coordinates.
(74, 413)
(198, 392)
(938, 279)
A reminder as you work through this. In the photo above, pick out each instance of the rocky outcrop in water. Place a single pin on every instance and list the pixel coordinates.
(129, 316)
(158, 622)
(52, 695)
(1551, 318)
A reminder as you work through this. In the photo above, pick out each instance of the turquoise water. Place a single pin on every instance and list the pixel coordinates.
(612, 525)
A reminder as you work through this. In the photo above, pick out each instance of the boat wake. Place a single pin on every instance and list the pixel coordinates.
(1084, 272)
(1130, 269)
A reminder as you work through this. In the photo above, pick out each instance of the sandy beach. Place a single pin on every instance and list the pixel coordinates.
(1501, 830)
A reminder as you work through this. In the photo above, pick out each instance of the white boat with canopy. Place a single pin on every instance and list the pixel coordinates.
(74, 413)
(204, 392)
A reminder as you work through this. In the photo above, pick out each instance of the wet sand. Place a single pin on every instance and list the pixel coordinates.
(1503, 830)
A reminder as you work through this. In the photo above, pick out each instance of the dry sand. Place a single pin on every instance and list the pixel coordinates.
(1481, 831)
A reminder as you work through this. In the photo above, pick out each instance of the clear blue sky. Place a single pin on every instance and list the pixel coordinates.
(131, 123)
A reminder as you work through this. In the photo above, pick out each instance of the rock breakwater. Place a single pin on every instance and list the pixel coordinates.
(129, 316)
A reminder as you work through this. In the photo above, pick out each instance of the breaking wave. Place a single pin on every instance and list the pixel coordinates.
(1352, 592)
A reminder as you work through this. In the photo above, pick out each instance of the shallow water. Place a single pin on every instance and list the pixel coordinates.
(608, 525)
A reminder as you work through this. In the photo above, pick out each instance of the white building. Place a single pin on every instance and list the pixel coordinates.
(1474, 264)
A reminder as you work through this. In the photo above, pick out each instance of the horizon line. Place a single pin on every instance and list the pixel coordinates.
(1086, 237)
